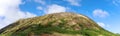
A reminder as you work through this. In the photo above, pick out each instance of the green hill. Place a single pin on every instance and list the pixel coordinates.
(57, 24)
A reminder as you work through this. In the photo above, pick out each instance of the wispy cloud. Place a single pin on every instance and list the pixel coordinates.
(103, 24)
(41, 2)
(116, 2)
(39, 8)
(74, 2)
(10, 12)
(54, 8)
(100, 13)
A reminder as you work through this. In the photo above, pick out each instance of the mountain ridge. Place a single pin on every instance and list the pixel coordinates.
(67, 23)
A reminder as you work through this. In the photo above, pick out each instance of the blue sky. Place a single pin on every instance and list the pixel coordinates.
(105, 12)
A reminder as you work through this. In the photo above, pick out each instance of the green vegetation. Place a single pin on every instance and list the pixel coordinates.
(39, 29)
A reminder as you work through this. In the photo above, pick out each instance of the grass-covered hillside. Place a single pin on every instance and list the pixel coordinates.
(57, 24)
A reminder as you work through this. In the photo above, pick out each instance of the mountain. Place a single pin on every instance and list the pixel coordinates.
(56, 24)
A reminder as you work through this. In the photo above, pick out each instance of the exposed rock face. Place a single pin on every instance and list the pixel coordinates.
(57, 24)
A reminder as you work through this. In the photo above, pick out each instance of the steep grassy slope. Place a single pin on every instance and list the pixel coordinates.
(57, 24)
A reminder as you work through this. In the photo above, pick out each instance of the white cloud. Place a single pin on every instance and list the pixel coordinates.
(74, 2)
(103, 24)
(55, 9)
(9, 9)
(39, 8)
(40, 1)
(100, 13)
